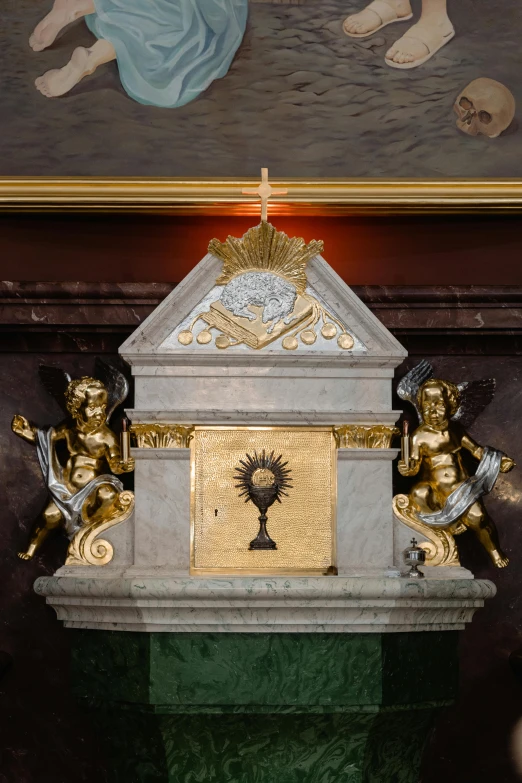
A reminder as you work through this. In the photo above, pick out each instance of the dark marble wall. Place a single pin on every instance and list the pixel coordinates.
(471, 744)
(467, 333)
(419, 249)
(44, 736)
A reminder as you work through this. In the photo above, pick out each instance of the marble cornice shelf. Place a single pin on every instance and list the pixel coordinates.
(263, 418)
(256, 368)
(350, 452)
(172, 452)
(264, 604)
(266, 359)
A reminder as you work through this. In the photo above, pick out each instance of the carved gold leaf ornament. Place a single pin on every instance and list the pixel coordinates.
(441, 548)
(162, 436)
(263, 248)
(85, 547)
(360, 436)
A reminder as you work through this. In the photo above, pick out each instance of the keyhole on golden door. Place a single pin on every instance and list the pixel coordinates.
(215, 512)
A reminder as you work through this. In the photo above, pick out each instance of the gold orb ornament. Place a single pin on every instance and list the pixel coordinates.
(345, 341)
(329, 331)
(308, 337)
(290, 343)
(204, 337)
(222, 341)
(185, 338)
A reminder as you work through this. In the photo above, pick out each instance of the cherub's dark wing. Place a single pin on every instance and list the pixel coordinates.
(115, 383)
(408, 386)
(55, 382)
(474, 397)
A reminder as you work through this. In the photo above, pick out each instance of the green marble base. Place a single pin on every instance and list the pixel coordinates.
(264, 708)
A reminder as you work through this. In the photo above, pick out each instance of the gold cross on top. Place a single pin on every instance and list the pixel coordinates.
(264, 191)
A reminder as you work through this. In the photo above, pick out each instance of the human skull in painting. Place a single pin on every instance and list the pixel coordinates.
(484, 107)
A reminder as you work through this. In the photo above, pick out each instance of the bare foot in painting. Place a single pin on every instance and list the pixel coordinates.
(420, 43)
(82, 63)
(376, 16)
(63, 13)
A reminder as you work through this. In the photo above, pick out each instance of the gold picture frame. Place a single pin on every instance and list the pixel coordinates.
(224, 196)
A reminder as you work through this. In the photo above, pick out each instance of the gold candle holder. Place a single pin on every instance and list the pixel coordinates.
(405, 444)
(125, 440)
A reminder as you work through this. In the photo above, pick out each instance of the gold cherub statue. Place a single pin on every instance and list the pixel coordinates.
(85, 498)
(446, 501)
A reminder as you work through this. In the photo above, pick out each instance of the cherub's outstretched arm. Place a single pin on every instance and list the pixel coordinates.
(467, 442)
(23, 429)
(470, 445)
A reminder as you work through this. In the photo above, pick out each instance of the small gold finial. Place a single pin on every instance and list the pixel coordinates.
(264, 191)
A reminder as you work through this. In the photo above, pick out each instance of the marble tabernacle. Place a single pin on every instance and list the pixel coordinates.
(214, 658)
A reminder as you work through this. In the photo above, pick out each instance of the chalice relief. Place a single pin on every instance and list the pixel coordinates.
(84, 497)
(446, 501)
(262, 479)
(419, 43)
(167, 51)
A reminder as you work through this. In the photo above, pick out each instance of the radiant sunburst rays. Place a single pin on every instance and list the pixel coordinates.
(263, 472)
(263, 479)
(263, 249)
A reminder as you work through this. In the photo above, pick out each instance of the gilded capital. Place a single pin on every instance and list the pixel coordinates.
(162, 436)
(361, 436)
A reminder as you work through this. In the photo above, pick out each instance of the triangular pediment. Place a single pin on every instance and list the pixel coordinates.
(280, 303)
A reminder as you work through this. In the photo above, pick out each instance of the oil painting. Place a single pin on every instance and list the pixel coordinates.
(216, 88)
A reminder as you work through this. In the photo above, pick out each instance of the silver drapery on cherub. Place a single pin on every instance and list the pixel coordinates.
(85, 498)
(446, 501)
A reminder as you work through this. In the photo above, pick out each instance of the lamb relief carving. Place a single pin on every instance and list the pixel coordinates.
(260, 289)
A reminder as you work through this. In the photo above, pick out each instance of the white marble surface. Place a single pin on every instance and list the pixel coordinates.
(355, 315)
(122, 539)
(308, 393)
(162, 512)
(262, 418)
(161, 454)
(358, 455)
(147, 343)
(446, 572)
(264, 604)
(364, 513)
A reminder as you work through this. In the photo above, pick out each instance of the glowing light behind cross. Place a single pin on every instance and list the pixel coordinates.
(264, 191)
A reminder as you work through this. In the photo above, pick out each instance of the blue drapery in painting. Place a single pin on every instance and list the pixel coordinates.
(169, 51)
